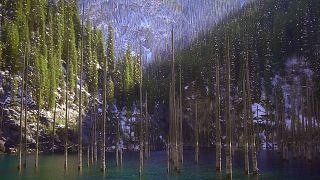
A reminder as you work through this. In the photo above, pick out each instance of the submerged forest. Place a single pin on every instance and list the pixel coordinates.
(160, 89)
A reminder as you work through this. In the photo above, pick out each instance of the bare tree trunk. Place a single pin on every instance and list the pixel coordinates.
(228, 121)
(309, 125)
(181, 117)
(95, 134)
(117, 144)
(80, 97)
(91, 143)
(196, 133)
(21, 109)
(66, 117)
(146, 128)
(168, 158)
(217, 113)
(104, 114)
(54, 126)
(141, 122)
(26, 116)
(253, 140)
(245, 126)
(38, 119)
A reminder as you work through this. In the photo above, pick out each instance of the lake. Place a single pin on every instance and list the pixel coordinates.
(51, 167)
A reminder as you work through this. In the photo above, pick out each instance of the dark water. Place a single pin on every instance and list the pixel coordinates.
(51, 167)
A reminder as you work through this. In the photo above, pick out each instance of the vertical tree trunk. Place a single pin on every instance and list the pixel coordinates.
(196, 133)
(217, 113)
(95, 134)
(141, 122)
(181, 117)
(66, 117)
(146, 128)
(252, 132)
(104, 114)
(117, 144)
(38, 119)
(21, 110)
(309, 126)
(245, 126)
(88, 156)
(80, 97)
(54, 126)
(26, 116)
(91, 143)
(228, 121)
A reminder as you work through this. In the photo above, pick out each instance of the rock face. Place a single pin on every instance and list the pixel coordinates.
(150, 21)
(2, 147)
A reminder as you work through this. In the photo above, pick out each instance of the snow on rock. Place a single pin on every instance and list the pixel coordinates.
(258, 112)
(150, 21)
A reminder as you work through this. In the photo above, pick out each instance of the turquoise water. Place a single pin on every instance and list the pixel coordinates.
(51, 167)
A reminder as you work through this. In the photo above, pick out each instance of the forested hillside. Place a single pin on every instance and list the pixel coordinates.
(279, 39)
(42, 46)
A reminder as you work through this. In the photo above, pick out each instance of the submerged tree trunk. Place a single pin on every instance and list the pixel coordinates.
(38, 120)
(95, 134)
(26, 116)
(196, 134)
(146, 150)
(252, 132)
(228, 121)
(21, 110)
(245, 126)
(54, 126)
(141, 122)
(117, 142)
(180, 118)
(104, 114)
(217, 118)
(80, 98)
(66, 117)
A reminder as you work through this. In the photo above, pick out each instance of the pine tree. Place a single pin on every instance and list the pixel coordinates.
(58, 39)
(91, 58)
(52, 69)
(11, 49)
(127, 76)
(69, 49)
(110, 52)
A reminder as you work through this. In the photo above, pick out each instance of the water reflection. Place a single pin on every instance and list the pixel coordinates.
(52, 167)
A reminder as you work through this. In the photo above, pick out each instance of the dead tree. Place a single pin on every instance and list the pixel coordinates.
(228, 118)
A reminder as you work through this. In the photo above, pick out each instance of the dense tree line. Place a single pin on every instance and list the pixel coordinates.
(54, 57)
(271, 30)
(256, 43)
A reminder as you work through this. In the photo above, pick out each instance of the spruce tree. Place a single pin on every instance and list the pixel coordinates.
(110, 52)
(69, 49)
(11, 48)
(52, 69)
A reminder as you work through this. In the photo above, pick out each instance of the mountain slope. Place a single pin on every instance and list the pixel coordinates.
(150, 21)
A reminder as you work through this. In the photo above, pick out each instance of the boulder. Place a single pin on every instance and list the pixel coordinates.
(2, 147)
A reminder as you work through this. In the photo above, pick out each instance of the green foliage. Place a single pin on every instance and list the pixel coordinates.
(52, 69)
(110, 51)
(70, 52)
(127, 77)
(11, 48)
(110, 63)
(14, 89)
(94, 65)
(110, 90)
(271, 33)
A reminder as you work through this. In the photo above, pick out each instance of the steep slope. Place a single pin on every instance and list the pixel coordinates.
(150, 21)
